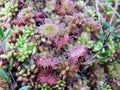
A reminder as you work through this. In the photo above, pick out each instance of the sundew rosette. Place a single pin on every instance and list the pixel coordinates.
(51, 29)
(47, 78)
(77, 51)
(48, 61)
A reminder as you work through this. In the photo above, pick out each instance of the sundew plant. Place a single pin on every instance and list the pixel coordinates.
(59, 44)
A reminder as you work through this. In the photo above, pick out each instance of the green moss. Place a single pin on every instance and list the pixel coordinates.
(85, 39)
(27, 31)
(23, 53)
(45, 87)
(9, 8)
(60, 85)
(104, 86)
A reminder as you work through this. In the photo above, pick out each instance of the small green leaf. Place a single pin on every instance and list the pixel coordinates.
(115, 34)
(102, 37)
(7, 32)
(1, 32)
(4, 75)
(106, 24)
(25, 88)
(11, 64)
(112, 28)
(111, 67)
(34, 50)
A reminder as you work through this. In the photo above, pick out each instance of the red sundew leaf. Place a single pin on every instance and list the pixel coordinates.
(60, 43)
(77, 51)
(48, 61)
(16, 63)
(50, 79)
(74, 68)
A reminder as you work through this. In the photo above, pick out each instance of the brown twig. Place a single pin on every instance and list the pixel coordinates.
(14, 83)
(115, 9)
(97, 9)
(86, 2)
(112, 9)
(100, 18)
(92, 59)
(12, 76)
